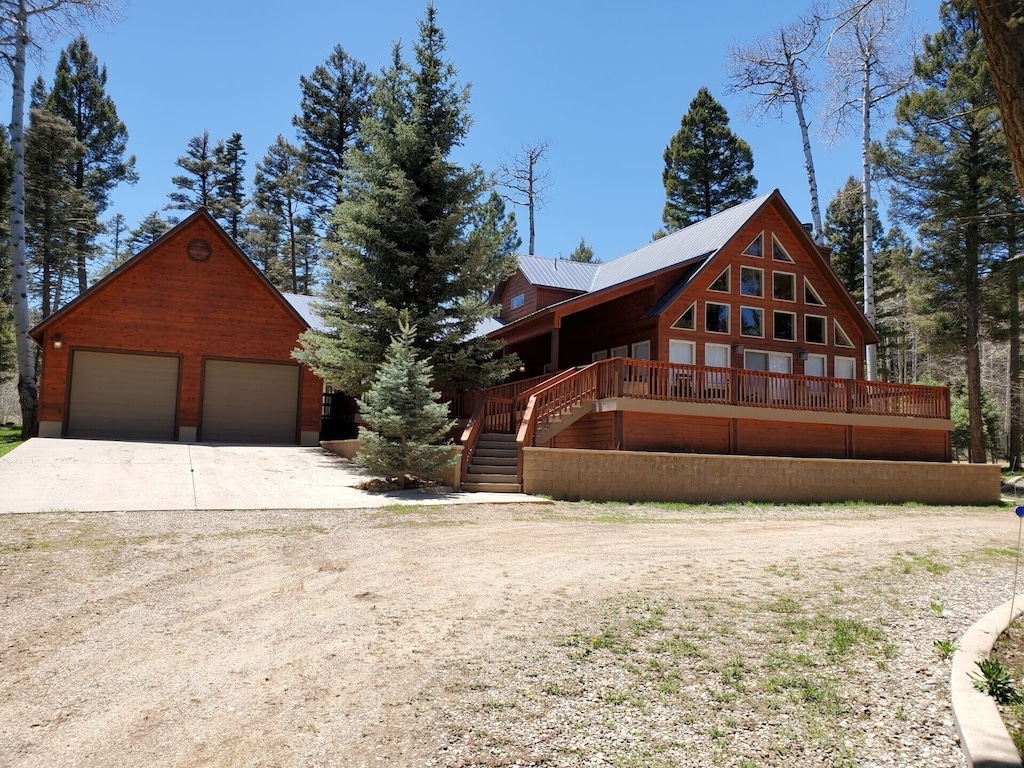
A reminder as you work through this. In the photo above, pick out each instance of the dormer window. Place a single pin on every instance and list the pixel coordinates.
(517, 301)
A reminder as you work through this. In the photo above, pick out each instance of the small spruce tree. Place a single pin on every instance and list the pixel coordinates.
(407, 426)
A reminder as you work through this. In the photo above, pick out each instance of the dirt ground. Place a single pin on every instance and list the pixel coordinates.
(379, 637)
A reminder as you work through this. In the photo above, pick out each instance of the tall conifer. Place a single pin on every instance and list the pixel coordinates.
(707, 167)
(405, 239)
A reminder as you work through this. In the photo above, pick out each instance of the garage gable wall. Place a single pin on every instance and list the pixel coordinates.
(192, 294)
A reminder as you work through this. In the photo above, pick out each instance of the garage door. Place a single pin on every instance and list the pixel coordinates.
(123, 396)
(249, 402)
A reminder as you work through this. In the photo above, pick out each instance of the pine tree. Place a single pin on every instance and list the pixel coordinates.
(405, 240)
(55, 208)
(335, 99)
(281, 193)
(79, 96)
(583, 253)
(196, 186)
(150, 229)
(941, 157)
(844, 236)
(492, 218)
(707, 167)
(229, 184)
(407, 427)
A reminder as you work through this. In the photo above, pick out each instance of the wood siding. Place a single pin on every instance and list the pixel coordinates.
(594, 431)
(167, 303)
(751, 437)
(769, 221)
(534, 297)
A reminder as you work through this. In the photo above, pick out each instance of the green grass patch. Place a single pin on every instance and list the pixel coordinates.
(10, 438)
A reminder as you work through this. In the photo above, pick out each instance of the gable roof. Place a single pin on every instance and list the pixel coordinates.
(201, 215)
(695, 246)
(693, 243)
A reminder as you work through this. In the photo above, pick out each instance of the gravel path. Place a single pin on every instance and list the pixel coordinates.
(558, 635)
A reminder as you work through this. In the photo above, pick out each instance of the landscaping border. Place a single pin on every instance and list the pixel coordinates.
(983, 736)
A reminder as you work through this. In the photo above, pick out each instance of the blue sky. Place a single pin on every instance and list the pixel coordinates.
(605, 83)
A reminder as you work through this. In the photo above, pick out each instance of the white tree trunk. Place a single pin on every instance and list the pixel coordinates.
(869, 261)
(812, 179)
(27, 391)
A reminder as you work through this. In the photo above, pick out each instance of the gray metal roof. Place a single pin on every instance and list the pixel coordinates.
(695, 242)
(558, 273)
(306, 306)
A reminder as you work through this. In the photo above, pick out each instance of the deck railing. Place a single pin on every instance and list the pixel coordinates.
(539, 401)
(464, 403)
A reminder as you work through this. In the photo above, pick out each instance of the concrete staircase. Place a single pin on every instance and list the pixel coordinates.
(495, 465)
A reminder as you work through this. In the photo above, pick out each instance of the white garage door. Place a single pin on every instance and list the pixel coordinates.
(249, 402)
(123, 396)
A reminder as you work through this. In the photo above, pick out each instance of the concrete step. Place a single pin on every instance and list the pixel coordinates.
(492, 487)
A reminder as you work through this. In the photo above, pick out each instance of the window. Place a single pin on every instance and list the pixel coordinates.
(688, 320)
(776, 362)
(642, 350)
(681, 351)
(716, 317)
(845, 367)
(784, 286)
(517, 301)
(622, 351)
(811, 296)
(751, 322)
(721, 284)
(814, 330)
(756, 247)
(716, 355)
(814, 365)
(842, 340)
(601, 354)
(778, 252)
(784, 326)
(751, 281)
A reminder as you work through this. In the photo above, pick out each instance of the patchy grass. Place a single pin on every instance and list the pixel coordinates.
(10, 438)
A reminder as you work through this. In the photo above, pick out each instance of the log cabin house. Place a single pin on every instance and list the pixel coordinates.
(186, 341)
(731, 336)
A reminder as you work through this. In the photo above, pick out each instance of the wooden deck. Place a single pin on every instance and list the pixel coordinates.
(629, 404)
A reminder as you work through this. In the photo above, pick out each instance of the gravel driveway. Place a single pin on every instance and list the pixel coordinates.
(557, 635)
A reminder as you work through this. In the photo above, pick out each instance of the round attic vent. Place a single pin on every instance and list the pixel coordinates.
(198, 250)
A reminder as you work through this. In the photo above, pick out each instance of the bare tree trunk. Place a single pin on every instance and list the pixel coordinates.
(1013, 363)
(871, 353)
(1002, 29)
(28, 393)
(812, 179)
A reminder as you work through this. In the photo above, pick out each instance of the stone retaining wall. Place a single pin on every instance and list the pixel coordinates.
(637, 476)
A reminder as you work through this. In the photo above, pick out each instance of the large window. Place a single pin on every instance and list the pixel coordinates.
(784, 286)
(642, 350)
(752, 281)
(814, 365)
(845, 367)
(784, 325)
(716, 355)
(681, 351)
(751, 322)
(815, 330)
(776, 362)
(716, 317)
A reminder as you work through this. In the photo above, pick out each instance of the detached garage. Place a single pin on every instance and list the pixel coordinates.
(186, 341)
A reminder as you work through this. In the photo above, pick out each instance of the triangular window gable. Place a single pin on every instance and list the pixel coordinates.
(688, 320)
(811, 296)
(842, 340)
(778, 252)
(721, 284)
(756, 247)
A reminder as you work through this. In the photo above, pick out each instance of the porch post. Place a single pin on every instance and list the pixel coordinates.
(555, 328)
